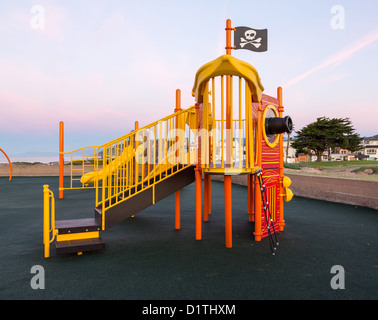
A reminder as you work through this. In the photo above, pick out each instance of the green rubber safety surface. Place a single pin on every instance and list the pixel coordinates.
(146, 258)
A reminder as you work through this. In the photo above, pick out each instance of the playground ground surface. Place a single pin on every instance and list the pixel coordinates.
(147, 259)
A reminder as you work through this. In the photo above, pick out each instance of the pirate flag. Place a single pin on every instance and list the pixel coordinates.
(251, 39)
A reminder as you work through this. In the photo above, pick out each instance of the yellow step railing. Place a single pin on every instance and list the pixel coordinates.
(49, 231)
(80, 162)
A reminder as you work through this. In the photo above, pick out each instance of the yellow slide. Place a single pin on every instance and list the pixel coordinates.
(117, 163)
(112, 167)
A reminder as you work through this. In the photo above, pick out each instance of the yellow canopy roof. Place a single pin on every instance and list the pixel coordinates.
(227, 65)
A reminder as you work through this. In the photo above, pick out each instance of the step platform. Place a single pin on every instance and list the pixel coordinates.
(80, 245)
(78, 235)
(78, 225)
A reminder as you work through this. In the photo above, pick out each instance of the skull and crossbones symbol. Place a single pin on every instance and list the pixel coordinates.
(250, 36)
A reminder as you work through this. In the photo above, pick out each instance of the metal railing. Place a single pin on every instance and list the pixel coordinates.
(230, 129)
(81, 161)
(143, 158)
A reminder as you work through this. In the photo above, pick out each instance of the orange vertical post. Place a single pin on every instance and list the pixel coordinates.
(177, 194)
(198, 183)
(228, 210)
(198, 203)
(228, 37)
(207, 197)
(61, 159)
(177, 210)
(228, 96)
(227, 178)
(136, 166)
(281, 167)
(249, 196)
(258, 231)
(251, 190)
(209, 194)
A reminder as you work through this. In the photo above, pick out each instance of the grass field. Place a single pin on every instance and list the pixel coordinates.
(367, 170)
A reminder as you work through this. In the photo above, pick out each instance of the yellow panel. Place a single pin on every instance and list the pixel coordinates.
(77, 236)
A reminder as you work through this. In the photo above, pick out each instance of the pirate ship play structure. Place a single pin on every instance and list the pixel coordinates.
(233, 129)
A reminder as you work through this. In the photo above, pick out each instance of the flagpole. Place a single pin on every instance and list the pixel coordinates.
(227, 178)
(228, 37)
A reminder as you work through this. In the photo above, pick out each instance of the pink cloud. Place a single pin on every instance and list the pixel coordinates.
(19, 112)
(334, 78)
(338, 58)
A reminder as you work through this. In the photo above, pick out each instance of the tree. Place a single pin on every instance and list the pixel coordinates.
(326, 133)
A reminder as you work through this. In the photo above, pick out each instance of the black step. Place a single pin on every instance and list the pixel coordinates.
(78, 225)
(83, 245)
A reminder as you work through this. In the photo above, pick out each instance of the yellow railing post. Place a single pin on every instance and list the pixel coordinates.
(48, 219)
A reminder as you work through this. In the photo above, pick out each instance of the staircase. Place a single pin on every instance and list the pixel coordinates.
(81, 235)
(78, 235)
(129, 174)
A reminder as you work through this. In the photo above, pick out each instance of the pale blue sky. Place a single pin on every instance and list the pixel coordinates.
(101, 65)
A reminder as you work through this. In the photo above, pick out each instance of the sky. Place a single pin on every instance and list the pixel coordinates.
(99, 66)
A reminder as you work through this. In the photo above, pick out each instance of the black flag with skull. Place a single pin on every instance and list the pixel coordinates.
(251, 39)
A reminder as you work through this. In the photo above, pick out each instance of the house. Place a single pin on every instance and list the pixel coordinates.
(288, 153)
(339, 154)
(302, 157)
(370, 147)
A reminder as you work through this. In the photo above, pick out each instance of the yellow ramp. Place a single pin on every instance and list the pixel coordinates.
(112, 167)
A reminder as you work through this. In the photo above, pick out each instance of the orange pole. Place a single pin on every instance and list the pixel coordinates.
(209, 194)
(61, 159)
(177, 194)
(253, 190)
(228, 96)
(198, 183)
(228, 37)
(250, 198)
(280, 188)
(198, 203)
(227, 178)
(177, 210)
(228, 210)
(207, 197)
(136, 166)
(258, 231)
(10, 164)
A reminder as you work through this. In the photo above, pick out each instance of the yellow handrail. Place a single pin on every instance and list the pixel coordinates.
(160, 149)
(48, 219)
(81, 157)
